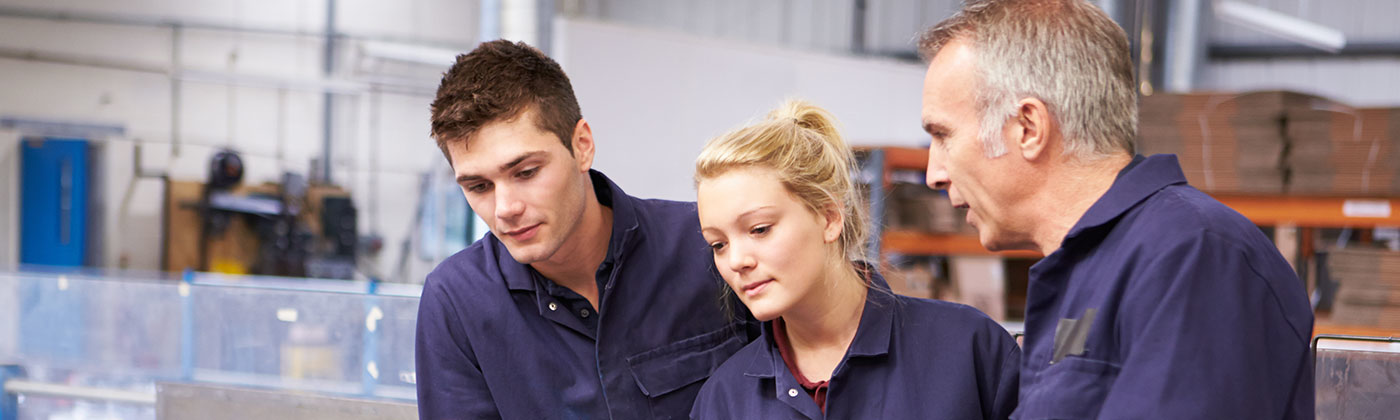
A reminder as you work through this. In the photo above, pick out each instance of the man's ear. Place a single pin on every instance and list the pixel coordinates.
(1030, 128)
(583, 146)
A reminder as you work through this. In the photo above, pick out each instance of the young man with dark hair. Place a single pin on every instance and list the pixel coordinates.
(582, 302)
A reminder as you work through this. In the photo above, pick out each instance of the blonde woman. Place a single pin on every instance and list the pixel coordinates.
(780, 211)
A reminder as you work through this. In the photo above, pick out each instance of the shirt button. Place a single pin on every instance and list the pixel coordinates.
(583, 313)
(553, 306)
(792, 392)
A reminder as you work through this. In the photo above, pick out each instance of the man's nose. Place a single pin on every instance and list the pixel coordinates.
(936, 176)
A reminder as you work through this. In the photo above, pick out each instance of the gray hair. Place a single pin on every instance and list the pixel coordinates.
(1067, 53)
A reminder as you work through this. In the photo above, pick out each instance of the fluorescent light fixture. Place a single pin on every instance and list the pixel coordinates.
(1281, 25)
(409, 53)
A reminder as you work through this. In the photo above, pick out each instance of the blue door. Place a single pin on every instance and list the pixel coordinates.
(53, 201)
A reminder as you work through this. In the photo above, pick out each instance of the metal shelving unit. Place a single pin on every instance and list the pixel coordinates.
(1265, 210)
(1305, 212)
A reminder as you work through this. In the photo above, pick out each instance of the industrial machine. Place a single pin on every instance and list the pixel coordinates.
(290, 228)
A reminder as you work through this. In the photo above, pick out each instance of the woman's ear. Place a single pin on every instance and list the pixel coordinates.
(835, 223)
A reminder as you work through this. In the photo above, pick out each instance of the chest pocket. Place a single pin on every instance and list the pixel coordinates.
(1073, 388)
(671, 375)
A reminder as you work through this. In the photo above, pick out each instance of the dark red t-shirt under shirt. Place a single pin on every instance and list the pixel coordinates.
(817, 390)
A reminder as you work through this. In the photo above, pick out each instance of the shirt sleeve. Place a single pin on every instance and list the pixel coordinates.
(707, 402)
(1001, 375)
(450, 381)
(1206, 336)
(1008, 384)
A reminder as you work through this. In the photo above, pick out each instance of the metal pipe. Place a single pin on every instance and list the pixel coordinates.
(328, 104)
(176, 61)
(281, 130)
(520, 21)
(178, 27)
(489, 21)
(384, 84)
(374, 146)
(1280, 25)
(858, 14)
(137, 174)
(1347, 337)
(138, 20)
(1222, 51)
(873, 170)
(1143, 27)
(329, 86)
(20, 386)
(1112, 9)
(80, 60)
(1183, 50)
(544, 25)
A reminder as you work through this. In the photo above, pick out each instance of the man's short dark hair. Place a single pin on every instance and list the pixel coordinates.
(498, 81)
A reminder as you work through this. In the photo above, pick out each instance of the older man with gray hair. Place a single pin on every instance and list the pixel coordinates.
(1153, 300)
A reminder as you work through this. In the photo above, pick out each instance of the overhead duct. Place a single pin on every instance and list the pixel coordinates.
(1281, 25)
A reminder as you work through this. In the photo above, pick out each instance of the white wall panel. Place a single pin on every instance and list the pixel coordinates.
(653, 104)
(276, 130)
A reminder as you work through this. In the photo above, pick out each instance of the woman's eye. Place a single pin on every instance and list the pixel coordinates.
(760, 230)
(716, 246)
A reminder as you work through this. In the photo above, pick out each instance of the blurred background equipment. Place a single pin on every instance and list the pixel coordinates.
(287, 228)
(56, 194)
(185, 401)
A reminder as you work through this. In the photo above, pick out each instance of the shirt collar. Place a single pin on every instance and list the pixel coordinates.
(625, 222)
(624, 226)
(1140, 179)
(872, 335)
(876, 320)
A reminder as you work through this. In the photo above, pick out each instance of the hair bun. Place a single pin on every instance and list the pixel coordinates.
(811, 117)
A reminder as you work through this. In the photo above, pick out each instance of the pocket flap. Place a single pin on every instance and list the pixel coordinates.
(1073, 388)
(673, 366)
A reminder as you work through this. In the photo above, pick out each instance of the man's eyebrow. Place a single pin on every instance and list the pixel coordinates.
(462, 179)
(521, 158)
(930, 127)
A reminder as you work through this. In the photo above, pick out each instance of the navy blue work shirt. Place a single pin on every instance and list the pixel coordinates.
(498, 340)
(1164, 303)
(910, 359)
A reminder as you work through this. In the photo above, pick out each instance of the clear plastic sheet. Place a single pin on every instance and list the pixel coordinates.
(126, 331)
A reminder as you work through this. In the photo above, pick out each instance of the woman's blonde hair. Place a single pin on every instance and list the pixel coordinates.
(798, 141)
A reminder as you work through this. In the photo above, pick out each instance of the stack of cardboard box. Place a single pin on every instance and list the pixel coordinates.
(1368, 291)
(1274, 142)
(906, 207)
(915, 207)
(1226, 142)
(1337, 149)
(910, 277)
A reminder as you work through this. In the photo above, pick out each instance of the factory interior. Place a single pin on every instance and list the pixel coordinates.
(228, 208)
